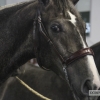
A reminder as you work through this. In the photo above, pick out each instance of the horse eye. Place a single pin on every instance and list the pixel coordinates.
(56, 28)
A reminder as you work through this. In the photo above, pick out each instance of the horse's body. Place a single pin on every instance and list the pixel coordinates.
(47, 83)
(96, 49)
(54, 33)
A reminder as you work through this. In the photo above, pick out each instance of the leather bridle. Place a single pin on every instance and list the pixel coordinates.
(78, 54)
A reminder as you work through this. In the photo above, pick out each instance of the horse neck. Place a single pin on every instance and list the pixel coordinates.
(16, 24)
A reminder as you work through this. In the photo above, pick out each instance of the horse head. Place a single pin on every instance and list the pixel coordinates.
(53, 32)
(60, 45)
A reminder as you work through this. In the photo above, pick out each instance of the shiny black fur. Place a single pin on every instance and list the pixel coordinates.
(17, 45)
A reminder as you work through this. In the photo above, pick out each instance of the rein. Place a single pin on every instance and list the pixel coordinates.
(30, 89)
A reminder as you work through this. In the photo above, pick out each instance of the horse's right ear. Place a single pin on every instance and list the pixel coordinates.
(44, 2)
(75, 1)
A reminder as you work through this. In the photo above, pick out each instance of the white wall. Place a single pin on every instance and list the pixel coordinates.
(83, 5)
(2, 2)
(95, 22)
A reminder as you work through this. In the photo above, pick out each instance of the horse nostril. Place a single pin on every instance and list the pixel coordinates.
(88, 85)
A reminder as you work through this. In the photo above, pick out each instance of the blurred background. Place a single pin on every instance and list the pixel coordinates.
(89, 9)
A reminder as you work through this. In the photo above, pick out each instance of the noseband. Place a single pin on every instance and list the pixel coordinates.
(78, 54)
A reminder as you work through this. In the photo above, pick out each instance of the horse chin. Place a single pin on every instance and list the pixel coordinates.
(76, 97)
(81, 97)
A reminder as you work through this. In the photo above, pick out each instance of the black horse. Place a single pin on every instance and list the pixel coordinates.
(96, 49)
(47, 83)
(54, 33)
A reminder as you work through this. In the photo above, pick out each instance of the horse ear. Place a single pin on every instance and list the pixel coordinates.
(75, 1)
(44, 2)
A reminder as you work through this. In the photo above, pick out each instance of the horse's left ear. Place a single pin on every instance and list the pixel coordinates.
(75, 1)
(44, 2)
